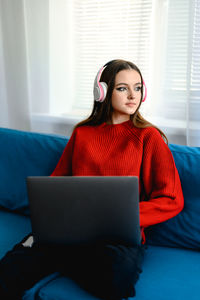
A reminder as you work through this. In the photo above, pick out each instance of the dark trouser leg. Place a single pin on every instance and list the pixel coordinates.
(21, 268)
(109, 272)
(126, 265)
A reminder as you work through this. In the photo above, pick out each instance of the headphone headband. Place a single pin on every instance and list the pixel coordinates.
(100, 88)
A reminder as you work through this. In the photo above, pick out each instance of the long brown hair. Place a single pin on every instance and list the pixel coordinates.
(102, 111)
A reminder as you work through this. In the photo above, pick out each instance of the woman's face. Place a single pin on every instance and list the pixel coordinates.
(126, 95)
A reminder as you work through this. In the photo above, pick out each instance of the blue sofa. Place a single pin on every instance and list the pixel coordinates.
(171, 268)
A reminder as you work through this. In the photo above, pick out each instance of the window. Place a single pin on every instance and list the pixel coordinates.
(87, 34)
(180, 89)
(162, 37)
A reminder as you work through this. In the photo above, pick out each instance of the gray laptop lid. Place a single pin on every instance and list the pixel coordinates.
(81, 210)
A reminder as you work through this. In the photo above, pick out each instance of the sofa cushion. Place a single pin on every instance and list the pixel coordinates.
(184, 229)
(62, 288)
(167, 274)
(25, 154)
(13, 228)
(32, 293)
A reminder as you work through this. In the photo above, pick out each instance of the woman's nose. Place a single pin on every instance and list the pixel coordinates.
(131, 94)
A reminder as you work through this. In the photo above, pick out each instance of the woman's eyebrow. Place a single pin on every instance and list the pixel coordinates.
(123, 83)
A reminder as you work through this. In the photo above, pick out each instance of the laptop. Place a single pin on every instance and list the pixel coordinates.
(73, 210)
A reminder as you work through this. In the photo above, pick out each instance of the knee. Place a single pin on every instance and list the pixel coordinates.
(126, 266)
(125, 259)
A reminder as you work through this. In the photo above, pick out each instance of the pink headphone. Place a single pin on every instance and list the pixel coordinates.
(100, 88)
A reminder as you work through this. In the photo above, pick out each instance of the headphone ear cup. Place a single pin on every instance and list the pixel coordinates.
(104, 88)
(96, 92)
(100, 88)
(145, 92)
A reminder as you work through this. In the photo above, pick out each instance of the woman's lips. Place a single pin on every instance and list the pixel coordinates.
(131, 104)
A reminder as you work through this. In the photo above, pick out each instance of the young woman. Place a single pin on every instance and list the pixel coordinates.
(114, 140)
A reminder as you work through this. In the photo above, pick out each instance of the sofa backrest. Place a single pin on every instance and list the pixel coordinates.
(25, 154)
(184, 229)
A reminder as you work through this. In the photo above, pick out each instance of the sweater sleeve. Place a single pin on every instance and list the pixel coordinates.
(160, 178)
(64, 165)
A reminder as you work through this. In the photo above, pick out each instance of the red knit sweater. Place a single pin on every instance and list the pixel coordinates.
(123, 149)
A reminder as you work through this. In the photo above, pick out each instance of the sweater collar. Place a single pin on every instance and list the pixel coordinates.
(128, 123)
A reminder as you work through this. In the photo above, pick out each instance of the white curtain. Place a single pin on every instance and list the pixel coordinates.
(14, 99)
(24, 61)
(50, 52)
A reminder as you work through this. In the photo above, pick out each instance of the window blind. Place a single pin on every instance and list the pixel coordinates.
(106, 30)
(194, 96)
(180, 97)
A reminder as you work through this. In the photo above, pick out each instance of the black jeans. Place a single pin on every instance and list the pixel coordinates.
(107, 271)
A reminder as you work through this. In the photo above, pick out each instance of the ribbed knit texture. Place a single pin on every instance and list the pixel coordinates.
(120, 150)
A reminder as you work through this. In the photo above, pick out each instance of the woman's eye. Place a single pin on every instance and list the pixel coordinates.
(138, 88)
(121, 89)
